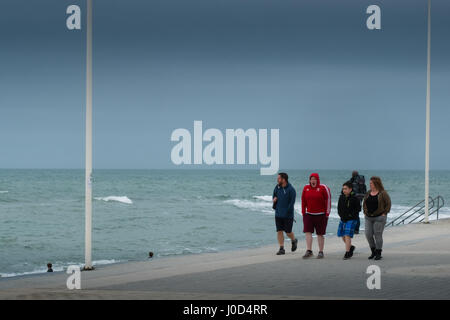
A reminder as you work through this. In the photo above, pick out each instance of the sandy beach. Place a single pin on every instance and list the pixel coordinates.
(416, 265)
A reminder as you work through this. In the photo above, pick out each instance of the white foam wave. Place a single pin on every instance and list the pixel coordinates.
(260, 206)
(121, 199)
(264, 198)
(263, 204)
(37, 271)
(398, 210)
(102, 262)
(4, 191)
(57, 268)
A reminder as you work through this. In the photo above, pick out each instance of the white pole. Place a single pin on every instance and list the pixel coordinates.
(88, 187)
(427, 139)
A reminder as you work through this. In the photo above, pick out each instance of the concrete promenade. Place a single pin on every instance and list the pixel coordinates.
(416, 265)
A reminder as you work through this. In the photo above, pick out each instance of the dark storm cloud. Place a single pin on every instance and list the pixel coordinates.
(310, 68)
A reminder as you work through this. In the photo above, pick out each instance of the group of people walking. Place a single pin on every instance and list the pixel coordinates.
(316, 207)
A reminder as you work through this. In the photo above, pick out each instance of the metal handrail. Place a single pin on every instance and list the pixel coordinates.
(423, 213)
(440, 204)
(415, 207)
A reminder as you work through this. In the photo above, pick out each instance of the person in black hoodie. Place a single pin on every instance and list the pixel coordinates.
(349, 207)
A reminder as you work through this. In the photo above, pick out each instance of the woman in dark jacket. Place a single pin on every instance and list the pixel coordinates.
(348, 209)
(377, 205)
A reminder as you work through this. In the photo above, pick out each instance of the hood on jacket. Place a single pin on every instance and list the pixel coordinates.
(315, 175)
(287, 186)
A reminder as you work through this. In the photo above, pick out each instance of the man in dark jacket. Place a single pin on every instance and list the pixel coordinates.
(349, 207)
(359, 189)
(283, 202)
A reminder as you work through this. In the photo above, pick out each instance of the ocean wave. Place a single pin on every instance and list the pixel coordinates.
(258, 205)
(57, 268)
(398, 210)
(37, 271)
(263, 204)
(121, 199)
(6, 191)
(222, 196)
(263, 198)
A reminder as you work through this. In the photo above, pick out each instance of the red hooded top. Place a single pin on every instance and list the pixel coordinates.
(316, 200)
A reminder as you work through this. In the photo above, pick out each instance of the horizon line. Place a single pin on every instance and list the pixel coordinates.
(223, 169)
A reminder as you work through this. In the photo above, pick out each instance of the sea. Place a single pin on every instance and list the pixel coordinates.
(168, 212)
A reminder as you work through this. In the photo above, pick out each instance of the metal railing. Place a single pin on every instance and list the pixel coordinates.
(439, 201)
(418, 211)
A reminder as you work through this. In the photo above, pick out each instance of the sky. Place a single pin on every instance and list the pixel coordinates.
(341, 95)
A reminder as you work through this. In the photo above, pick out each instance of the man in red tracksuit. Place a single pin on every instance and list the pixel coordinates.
(316, 206)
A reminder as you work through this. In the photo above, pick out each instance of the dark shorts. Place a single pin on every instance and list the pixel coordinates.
(315, 222)
(347, 228)
(284, 224)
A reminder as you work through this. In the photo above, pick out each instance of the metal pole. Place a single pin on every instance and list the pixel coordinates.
(88, 186)
(438, 207)
(427, 140)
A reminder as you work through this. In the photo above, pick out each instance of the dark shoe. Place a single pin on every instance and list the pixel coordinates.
(308, 254)
(352, 249)
(294, 245)
(378, 254)
(373, 253)
(320, 255)
(281, 252)
(347, 255)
